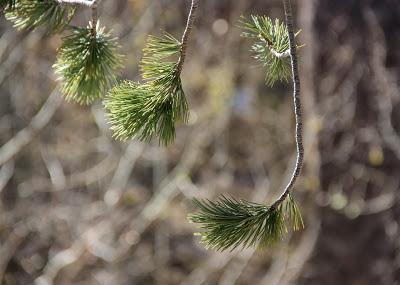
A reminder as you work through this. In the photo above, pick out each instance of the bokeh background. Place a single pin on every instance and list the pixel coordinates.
(78, 207)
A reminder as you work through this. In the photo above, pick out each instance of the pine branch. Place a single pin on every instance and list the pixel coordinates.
(29, 14)
(87, 64)
(231, 223)
(153, 108)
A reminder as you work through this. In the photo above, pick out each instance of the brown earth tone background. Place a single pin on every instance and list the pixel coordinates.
(77, 207)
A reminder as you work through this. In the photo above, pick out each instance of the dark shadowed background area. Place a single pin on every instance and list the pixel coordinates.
(77, 207)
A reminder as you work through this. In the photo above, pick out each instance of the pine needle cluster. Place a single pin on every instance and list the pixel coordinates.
(87, 64)
(271, 46)
(30, 14)
(150, 109)
(231, 223)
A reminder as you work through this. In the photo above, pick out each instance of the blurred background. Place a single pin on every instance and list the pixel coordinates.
(77, 207)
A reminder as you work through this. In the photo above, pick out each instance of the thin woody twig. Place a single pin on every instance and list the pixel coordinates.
(186, 33)
(297, 105)
(88, 3)
(94, 17)
(386, 82)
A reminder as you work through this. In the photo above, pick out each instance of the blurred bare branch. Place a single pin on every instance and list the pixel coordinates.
(6, 172)
(38, 122)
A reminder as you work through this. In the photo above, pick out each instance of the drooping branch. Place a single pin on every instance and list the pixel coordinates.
(230, 223)
(186, 34)
(297, 104)
(153, 108)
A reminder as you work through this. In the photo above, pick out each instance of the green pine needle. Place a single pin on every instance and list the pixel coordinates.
(146, 110)
(133, 112)
(231, 223)
(294, 213)
(125, 105)
(158, 49)
(269, 34)
(86, 65)
(27, 14)
(153, 108)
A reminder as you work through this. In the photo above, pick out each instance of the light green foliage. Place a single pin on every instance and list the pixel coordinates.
(231, 223)
(27, 14)
(150, 109)
(126, 111)
(269, 35)
(153, 65)
(87, 65)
